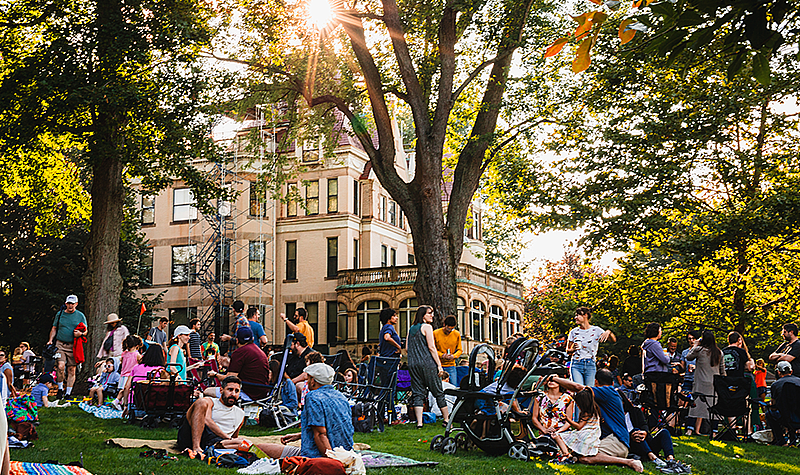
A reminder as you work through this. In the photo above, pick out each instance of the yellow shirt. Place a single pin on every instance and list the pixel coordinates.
(306, 330)
(450, 342)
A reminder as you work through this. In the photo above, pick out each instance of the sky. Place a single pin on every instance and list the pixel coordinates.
(551, 246)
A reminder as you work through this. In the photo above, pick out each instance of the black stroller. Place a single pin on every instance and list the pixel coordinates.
(493, 431)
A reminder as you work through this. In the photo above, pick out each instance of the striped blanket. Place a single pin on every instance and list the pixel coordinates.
(25, 468)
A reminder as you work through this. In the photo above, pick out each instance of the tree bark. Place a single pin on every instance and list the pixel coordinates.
(102, 281)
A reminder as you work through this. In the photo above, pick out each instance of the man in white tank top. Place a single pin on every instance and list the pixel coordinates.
(213, 421)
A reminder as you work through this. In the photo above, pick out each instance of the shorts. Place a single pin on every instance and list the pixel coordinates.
(65, 349)
(290, 451)
(612, 446)
(207, 438)
(761, 390)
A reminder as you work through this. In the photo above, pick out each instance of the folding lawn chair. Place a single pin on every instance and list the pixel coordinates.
(270, 409)
(732, 402)
(380, 390)
(660, 400)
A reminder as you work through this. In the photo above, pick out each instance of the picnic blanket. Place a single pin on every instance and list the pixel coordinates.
(383, 460)
(103, 412)
(171, 444)
(25, 468)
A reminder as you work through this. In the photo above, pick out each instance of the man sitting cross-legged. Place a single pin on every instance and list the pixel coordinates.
(212, 421)
(325, 422)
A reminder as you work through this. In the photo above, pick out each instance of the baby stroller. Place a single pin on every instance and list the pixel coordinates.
(157, 400)
(482, 417)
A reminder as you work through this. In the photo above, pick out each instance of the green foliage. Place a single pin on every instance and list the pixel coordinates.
(39, 270)
(504, 246)
(691, 174)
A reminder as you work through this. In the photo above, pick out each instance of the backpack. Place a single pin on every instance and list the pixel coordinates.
(364, 417)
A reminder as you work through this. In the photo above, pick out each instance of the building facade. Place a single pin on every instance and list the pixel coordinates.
(336, 244)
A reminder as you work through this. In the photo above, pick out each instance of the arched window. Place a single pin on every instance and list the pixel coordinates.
(408, 310)
(476, 314)
(461, 315)
(369, 322)
(496, 324)
(513, 323)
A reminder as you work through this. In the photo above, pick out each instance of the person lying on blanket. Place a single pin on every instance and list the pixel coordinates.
(325, 423)
(213, 421)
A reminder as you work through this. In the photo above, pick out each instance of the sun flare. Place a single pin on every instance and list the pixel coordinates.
(319, 12)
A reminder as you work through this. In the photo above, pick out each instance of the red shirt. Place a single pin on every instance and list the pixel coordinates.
(252, 366)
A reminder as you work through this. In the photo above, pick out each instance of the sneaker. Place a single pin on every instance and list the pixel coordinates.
(116, 405)
(59, 394)
(659, 463)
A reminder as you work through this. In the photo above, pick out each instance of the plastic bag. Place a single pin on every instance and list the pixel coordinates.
(353, 463)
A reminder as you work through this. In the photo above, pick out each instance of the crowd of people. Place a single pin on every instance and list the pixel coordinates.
(592, 416)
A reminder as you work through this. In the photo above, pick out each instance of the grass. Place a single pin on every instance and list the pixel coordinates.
(65, 434)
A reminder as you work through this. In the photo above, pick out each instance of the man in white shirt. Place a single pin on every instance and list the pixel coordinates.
(211, 421)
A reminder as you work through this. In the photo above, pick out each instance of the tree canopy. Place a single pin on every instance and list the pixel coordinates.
(448, 64)
(116, 87)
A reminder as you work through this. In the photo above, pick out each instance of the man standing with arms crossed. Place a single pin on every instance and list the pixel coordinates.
(64, 333)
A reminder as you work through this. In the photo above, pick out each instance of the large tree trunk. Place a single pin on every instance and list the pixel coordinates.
(102, 281)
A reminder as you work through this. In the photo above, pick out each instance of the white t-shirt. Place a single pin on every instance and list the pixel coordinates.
(227, 418)
(587, 341)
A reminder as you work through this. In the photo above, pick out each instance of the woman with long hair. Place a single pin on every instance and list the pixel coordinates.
(582, 344)
(424, 364)
(708, 358)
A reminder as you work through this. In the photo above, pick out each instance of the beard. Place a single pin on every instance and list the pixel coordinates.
(229, 401)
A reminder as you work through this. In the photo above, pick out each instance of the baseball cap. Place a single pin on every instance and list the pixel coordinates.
(300, 338)
(238, 306)
(244, 334)
(72, 299)
(322, 373)
(784, 366)
(181, 330)
(46, 378)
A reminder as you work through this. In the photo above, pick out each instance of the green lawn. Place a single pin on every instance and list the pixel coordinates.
(66, 433)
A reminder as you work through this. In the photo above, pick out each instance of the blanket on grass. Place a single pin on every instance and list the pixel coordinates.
(383, 460)
(25, 468)
(103, 412)
(171, 445)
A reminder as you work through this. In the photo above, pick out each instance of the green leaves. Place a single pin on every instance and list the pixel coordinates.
(761, 67)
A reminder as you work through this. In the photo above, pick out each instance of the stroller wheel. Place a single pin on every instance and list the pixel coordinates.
(449, 446)
(519, 451)
(436, 443)
(462, 441)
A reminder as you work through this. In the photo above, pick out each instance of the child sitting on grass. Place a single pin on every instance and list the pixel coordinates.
(41, 390)
(108, 377)
(585, 439)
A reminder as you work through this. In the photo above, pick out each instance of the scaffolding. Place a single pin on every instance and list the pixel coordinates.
(235, 252)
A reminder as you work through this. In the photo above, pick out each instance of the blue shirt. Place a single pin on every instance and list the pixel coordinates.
(289, 396)
(325, 407)
(613, 420)
(258, 331)
(385, 348)
(108, 378)
(38, 394)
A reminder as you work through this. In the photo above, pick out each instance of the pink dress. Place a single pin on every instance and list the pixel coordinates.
(139, 373)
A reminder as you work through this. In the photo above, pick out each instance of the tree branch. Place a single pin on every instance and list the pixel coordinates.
(474, 74)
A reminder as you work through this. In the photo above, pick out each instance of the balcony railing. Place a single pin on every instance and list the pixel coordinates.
(408, 274)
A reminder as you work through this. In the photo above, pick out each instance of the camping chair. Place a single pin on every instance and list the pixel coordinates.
(334, 361)
(270, 409)
(381, 387)
(789, 408)
(660, 400)
(199, 373)
(403, 387)
(732, 401)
